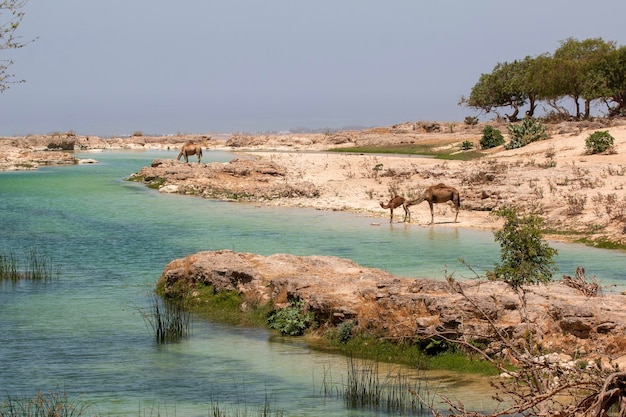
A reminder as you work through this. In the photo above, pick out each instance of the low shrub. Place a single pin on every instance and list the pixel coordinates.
(526, 132)
(491, 138)
(467, 145)
(471, 120)
(293, 320)
(599, 142)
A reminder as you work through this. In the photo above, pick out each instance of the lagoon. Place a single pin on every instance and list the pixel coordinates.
(111, 238)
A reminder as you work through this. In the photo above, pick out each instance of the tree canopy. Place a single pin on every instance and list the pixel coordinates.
(583, 72)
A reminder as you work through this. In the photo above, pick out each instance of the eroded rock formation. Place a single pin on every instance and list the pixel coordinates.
(397, 307)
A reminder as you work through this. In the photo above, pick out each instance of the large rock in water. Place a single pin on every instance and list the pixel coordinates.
(405, 308)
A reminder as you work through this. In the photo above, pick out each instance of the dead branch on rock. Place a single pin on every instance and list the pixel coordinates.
(532, 383)
(579, 282)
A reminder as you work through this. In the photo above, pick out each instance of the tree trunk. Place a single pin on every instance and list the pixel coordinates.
(513, 118)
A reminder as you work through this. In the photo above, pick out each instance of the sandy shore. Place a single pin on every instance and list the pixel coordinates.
(579, 195)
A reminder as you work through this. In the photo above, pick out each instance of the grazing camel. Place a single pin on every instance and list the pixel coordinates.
(436, 194)
(396, 202)
(189, 149)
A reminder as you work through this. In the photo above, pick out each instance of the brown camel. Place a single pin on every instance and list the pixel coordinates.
(189, 149)
(436, 194)
(396, 202)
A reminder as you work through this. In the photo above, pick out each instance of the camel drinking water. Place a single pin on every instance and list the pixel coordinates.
(436, 194)
(189, 149)
(396, 202)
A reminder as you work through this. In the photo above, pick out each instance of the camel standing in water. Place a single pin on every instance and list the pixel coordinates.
(396, 202)
(436, 194)
(189, 149)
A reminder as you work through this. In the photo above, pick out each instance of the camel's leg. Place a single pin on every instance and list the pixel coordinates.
(391, 216)
(407, 214)
(180, 155)
(457, 214)
(432, 213)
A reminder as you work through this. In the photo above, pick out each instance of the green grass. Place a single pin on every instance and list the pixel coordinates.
(405, 353)
(602, 243)
(225, 307)
(413, 149)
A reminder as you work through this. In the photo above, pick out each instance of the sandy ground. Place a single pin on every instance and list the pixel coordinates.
(576, 193)
(573, 191)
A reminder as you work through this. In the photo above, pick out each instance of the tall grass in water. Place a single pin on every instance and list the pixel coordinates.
(37, 267)
(367, 389)
(264, 410)
(169, 321)
(53, 404)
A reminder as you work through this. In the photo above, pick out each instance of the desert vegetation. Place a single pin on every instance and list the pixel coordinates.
(582, 72)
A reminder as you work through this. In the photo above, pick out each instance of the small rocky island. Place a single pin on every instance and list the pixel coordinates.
(338, 290)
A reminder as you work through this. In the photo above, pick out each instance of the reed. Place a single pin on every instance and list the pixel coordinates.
(37, 267)
(8, 267)
(169, 321)
(54, 403)
(267, 409)
(367, 389)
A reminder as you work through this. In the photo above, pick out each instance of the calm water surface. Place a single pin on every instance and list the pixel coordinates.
(110, 238)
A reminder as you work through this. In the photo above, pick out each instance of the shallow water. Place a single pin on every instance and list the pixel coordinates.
(111, 239)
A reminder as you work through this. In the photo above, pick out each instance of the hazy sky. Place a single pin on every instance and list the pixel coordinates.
(201, 66)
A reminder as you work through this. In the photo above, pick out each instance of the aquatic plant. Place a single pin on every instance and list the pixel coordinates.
(37, 267)
(168, 320)
(367, 388)
(54, 403)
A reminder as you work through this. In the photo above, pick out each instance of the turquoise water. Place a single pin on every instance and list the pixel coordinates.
(111, 239)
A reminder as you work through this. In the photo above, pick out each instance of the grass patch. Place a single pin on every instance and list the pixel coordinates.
(460, 362)
(602, 243)
(414, 149)
(225, 306)
(405, 353)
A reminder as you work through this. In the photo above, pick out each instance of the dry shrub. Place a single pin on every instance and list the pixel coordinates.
(579, 282)
(575, 204)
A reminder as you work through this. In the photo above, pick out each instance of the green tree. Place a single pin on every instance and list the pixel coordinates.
(580, 62)
(613, 70)
(525, 257)
(11, 16)
(503, 87)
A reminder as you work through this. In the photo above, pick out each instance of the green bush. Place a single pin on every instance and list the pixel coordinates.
(471, 120)
(524, 133)
(599, 142)
(525, 257)
(467, 145)
(292, 320)
(491, 138)
(345, 331)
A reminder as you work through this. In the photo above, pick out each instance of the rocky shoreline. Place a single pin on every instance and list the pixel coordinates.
(337, 290)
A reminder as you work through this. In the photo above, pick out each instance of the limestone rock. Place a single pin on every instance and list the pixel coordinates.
(337, 290)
